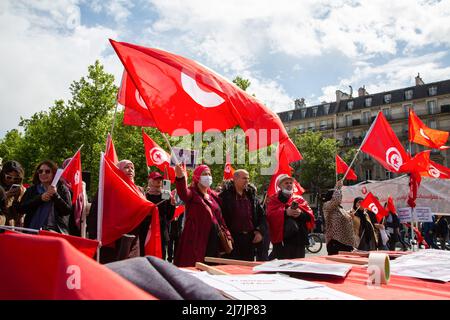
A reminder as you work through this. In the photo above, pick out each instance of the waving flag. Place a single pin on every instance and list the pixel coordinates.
(341, 167)
(110, 151)
(421, 134)
(179, 91)
(156, 156)
(124, 206)
(136, 112)
(383, 145)
(228, 171)
(422, 164)
(391, 205)
(73, 177)
(371, 203)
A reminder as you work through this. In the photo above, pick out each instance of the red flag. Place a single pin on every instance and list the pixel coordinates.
(422, 164)
(383, 145)
(153, 240)
(136, 112)
(371, 203)
(86, 246)
(180, 91)
(228, 171)
(73, 177)
(421, 134)
(342, 167)
(156, 156)
(179, 210)
(391, 205)
(414, 184)
(110, 151)
(124, 206)
(44, 268)
(283, 168)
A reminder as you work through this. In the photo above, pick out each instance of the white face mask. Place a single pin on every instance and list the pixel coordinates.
(206, 181)
(287, 192)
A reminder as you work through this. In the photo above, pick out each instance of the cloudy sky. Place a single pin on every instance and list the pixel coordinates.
(288, 49)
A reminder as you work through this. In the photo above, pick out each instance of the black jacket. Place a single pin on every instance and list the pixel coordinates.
(228, 196)
(62, 206)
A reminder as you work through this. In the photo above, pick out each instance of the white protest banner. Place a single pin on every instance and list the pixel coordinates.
(423, 214)
(404, 214)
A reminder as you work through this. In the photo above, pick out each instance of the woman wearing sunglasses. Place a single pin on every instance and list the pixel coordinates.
(47, 207)
(11, 178)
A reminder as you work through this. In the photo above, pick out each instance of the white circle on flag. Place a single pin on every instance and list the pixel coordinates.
(434, 172)
(76, 178)
(158, 156)
(227, 168)
(139, 99)
(394, 158)
(422, 133)
(373, 208)
(202, 97)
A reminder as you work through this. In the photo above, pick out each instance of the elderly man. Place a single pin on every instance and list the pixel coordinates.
(243, 215)
(289, 217)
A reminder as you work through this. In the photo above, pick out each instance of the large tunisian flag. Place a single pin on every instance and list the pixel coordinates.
(50, 268)
(421, 134)
(383, 145)
(179, 91)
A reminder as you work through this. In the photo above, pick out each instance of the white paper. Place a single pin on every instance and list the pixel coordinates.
(270, 287)
(404, 214)
(57, 176)
(426, 264)
(339, 270)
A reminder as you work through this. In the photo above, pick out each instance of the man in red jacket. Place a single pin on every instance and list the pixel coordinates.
(289, 217)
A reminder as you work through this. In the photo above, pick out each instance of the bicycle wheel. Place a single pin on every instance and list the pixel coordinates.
(315, 243)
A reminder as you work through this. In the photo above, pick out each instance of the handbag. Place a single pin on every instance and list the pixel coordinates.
(290, 228)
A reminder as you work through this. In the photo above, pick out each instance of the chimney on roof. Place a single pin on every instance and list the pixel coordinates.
(341, 96)
(299, 103)
(362, 92)
(419, 80)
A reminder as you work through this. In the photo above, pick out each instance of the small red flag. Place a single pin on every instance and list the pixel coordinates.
(391, 205)
(371, 203)
(228, 171)
(421, 134)
(110, 151)
(72, 175)
(342, 167)
(382, 144)
(156, 156)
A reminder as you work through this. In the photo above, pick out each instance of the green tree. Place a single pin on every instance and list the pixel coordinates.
(242, 83)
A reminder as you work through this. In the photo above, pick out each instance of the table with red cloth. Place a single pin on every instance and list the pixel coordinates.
(355, 283)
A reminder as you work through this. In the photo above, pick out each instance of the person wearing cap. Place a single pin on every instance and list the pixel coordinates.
(289, 217)
(11, 178)
(243, 214)
(166, 208)
(339, 233)
(203, 217)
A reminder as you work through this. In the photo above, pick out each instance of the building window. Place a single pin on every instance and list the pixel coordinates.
(314, 110)
(290, 114)
(387, 98)
(323, 125)
(406, 108)
(408, 94)
(432, 91)
(311, 126)
(366, 156)
(348, 120)
(431, 105)
(365, 117)
(326, 108)
(368, 102)
(387, 113)
(388, 175)
(303, 113)
(350, 105)
(432, 124)
(301, 127)
(368, 174)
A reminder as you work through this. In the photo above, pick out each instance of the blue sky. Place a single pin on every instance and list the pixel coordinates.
(288, 49)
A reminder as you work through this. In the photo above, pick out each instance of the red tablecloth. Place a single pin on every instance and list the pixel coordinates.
(399, 288)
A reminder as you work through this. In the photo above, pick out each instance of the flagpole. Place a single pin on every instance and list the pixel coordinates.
(115, 110)
(335, 139)
(351, 164)
(101, 185)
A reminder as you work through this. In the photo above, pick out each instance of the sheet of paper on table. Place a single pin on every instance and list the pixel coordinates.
(426, 264)
(339, 270)
(270, 287)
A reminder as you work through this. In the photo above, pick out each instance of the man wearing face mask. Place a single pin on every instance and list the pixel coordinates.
(243, 214)
(289, 217)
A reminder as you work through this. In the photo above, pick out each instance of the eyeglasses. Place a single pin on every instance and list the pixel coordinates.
(46, 171)
(13, 178)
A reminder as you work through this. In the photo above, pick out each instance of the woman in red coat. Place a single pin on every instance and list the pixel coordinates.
(199, 237)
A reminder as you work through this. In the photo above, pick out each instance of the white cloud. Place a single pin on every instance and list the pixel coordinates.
(39, 64)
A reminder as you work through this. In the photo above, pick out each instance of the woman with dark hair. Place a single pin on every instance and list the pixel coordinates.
(11, 178)
(47, 207)
(365, 232)
(2, 206)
